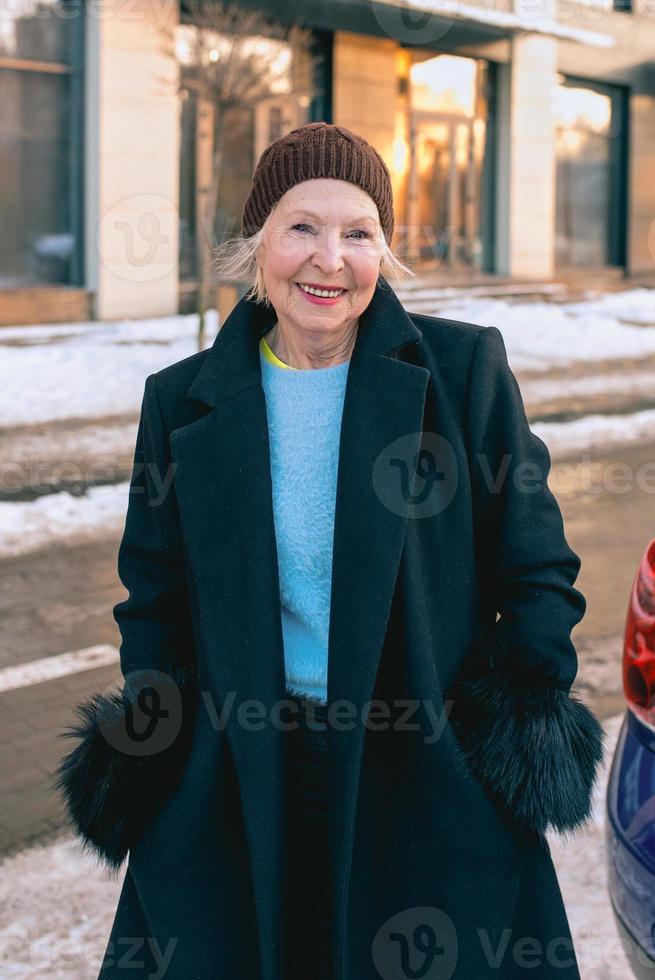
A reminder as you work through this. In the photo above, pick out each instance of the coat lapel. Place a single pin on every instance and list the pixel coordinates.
(224, 490)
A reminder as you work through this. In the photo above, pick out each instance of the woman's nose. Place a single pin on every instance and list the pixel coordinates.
(328, 254)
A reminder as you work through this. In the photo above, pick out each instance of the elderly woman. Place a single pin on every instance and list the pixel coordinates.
(346, 721)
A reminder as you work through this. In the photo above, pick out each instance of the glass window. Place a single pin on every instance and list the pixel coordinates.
(247, 127)
(41, 143)
(445, 83)
(448, 207)
(39, 30)
(589, 189)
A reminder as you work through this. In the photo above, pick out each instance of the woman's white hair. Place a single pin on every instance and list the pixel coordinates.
(236, 259)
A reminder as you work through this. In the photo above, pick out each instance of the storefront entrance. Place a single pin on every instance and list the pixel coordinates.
(444, 209)
(448, 171)
(590, 124)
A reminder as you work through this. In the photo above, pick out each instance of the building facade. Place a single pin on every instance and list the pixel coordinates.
(520, 139)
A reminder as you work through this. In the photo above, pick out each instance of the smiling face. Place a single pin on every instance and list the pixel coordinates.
(323, 236)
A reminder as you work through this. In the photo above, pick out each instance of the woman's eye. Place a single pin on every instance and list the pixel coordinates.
(364, 234)
(301, 226)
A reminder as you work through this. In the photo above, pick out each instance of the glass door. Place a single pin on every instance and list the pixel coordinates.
(444, 210)
(449, 157)
(590, 148)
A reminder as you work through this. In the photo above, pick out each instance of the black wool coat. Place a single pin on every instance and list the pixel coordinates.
(455, 740)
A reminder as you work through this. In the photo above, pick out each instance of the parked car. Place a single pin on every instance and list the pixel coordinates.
(630, 801)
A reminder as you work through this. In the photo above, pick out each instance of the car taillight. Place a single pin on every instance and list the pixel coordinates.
(639, 642)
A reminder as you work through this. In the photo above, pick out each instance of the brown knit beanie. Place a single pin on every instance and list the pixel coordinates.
(312, 151)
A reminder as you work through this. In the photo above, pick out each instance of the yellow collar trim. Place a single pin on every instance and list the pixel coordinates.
(273, 358)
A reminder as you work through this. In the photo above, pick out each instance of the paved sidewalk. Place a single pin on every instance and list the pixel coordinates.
(30, 719)
(58, 599)
(51, 602)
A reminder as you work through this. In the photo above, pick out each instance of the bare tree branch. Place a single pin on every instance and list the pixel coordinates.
(235, 59)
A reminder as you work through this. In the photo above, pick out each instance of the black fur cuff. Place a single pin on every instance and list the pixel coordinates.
(535, 748)
(131, 747)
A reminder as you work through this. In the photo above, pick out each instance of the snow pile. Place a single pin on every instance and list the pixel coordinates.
(88, 370)
(59, 518)
(56, 911)
(539, 336)
(628, 306)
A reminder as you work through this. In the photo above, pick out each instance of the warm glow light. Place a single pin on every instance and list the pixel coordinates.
(436, 141)
(183, 45)
(445, 83)
(400, 156)
(479, 137)
(569, 142)
(462, 146)
(275, 56)
(581, 108)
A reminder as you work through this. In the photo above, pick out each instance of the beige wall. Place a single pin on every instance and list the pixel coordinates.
(641, 185)
(136, 233)
(531, 158)
(365, 87)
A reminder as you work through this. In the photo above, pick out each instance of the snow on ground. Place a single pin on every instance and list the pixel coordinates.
(639, 384)
(67, 518)
(56, 911)
(57, 904)
(61, 518)
(88, 370)
(539, 336)
(91, 370)
(627, 305)
(596, 431)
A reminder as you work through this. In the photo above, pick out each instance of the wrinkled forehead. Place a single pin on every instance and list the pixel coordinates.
(329, 200)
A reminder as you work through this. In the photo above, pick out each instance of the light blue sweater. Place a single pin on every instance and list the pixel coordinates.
(304, 409)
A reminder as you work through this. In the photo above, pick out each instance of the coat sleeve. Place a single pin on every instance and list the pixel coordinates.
(154, 621)
(131, 743)
(532, 743)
